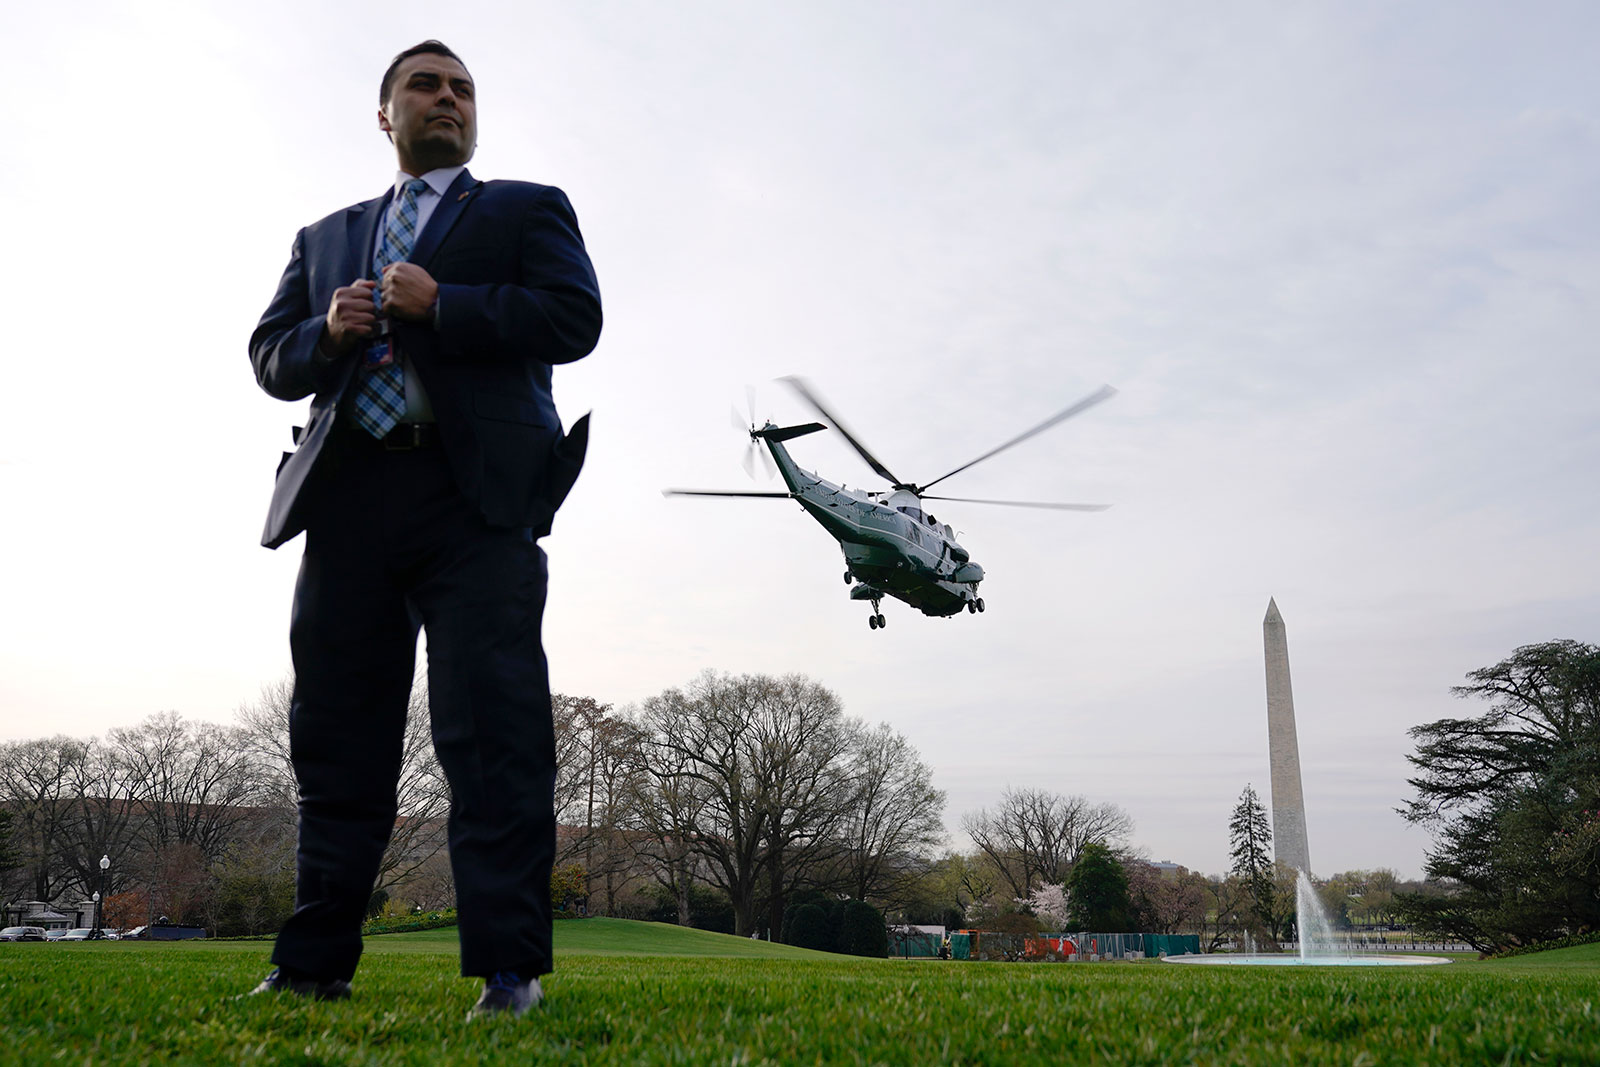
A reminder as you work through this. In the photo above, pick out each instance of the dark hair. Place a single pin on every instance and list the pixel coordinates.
(428, 47)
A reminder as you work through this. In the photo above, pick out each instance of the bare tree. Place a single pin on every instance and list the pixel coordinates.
(432, 886)
(894, 817)
(1232, 911)
(706, 735)
(1034, 835)
(1166, 902)
(575, 719)
(103, 821)
(597, 754)
(801, 758)
(422, 794)
(36, 786)
(976, 880)
(191, 783)
(615, 823)
(668, 800)
(759, 764)
(266, 730)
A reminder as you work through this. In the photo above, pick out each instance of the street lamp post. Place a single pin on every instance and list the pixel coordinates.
(99, 897)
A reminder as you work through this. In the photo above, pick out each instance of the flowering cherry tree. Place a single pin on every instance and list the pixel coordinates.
(1048, 903)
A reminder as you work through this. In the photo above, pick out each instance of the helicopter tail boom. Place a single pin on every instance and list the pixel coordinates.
(787, 433)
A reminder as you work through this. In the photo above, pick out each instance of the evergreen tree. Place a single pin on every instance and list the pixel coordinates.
(1249, 845)
(1513, 798)
(1097, 893)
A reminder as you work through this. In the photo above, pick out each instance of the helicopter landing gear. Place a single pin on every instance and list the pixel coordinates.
(876, 621)
(980, 603)
(848, 578)
(974, 606)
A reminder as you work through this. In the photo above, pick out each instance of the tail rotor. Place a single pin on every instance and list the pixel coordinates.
(753, 447)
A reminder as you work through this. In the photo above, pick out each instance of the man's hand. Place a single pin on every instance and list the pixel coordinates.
(408, 292)
(351, 315)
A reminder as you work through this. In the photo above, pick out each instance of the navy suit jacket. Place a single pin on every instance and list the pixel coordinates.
(517, 294)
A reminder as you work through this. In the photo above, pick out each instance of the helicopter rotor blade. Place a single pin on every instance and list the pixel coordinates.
(1105, 392)
(767, 465)
(748, 461)
(722, 492)
(750, 402)
(738, 420)
(800, 386)
(1022, 503)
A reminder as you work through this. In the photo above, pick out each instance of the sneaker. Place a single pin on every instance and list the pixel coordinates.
(505, 993)
(280, 982)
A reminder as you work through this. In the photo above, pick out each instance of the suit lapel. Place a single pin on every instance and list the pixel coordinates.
(444, 218)
(361, 227)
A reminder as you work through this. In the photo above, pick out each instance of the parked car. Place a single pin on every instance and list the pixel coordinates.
(22, 933)
(82, 933)
(55, 935)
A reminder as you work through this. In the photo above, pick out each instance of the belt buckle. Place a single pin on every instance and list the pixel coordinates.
(395, 441)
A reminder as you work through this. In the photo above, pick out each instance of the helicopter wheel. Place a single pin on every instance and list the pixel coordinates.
(979, 602)
(972, 607)
(872, 622)
(846, 577)
(882, 622)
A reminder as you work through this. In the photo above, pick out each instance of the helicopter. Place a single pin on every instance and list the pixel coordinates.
(893, 546)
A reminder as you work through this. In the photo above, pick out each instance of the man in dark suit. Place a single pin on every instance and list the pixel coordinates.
(425, 324)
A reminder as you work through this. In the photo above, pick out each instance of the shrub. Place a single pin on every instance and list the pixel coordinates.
(862, 931)
(811, 929)
(567, 887)
(432, 920)
(249, 904)
(792, 906)
(709, 909)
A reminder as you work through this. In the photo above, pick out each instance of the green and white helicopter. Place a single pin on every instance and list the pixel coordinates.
(893, 546)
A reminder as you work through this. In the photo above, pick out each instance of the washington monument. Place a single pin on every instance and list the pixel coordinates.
(1288, 806)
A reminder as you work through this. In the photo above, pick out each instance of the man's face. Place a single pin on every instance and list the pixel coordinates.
(431, 114)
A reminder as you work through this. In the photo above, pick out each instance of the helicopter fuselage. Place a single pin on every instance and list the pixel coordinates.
(891, 546)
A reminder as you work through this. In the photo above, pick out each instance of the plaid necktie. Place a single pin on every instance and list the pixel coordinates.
(381, 400)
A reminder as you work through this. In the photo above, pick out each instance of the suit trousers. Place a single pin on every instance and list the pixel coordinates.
(392, 546)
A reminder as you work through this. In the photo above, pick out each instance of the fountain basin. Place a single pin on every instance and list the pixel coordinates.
(1291, 960)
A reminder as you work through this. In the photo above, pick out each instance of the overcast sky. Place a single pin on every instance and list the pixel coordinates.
(1339, 259)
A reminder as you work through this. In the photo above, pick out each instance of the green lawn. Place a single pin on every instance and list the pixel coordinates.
(616, 937)
(628, 993)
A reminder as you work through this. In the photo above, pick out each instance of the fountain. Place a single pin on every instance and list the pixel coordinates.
(1317, 945)
(1316, 932)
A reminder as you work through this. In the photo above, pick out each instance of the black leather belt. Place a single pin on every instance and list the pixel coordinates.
(409, 436)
